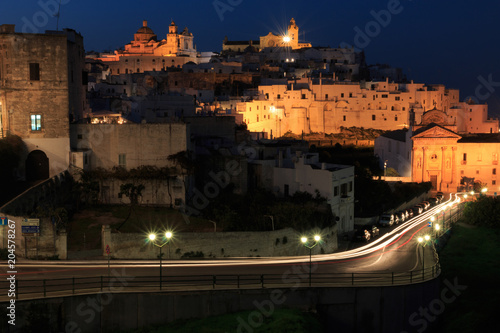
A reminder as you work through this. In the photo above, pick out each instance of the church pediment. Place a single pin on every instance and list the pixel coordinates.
(434, 116)
(437, 132)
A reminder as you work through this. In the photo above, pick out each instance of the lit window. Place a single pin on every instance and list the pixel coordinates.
(36, 122)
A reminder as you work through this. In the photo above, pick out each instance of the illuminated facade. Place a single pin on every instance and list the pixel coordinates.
(324, 106)
(288, 39)
(445, 159)
(146, 53)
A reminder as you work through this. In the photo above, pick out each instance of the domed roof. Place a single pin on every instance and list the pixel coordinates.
(145, 29)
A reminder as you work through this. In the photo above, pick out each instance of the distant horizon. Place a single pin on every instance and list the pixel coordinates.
(433, 43)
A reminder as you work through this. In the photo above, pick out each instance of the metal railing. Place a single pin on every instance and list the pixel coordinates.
(57, 287)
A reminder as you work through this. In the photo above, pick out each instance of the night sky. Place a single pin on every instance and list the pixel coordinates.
(455, 43)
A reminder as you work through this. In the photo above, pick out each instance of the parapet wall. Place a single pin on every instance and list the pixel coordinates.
(344, 309)
(285, 242)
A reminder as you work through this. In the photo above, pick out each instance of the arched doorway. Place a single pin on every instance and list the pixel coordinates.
(37, 166)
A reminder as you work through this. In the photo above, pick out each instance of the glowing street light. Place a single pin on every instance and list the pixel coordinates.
(437, 227)
(305, 242)
(286, 39)
(167, 237)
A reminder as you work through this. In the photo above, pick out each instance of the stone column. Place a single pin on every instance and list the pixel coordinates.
(423, 163)
(62, 245)
(413, 165)
(105, 238)
(443, 167)
(453, 162)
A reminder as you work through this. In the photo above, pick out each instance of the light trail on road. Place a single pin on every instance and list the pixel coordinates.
(383, 245)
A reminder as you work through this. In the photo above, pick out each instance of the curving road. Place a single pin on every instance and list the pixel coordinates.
(389, 256)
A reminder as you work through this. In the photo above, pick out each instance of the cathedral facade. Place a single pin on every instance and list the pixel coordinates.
(146, 53)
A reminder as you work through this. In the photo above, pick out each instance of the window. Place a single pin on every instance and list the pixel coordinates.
(395, 118)
(350, 94)
(464, 157)
(342, 95)
(122, 160)
(326, 96)
(384, 96)
(344, 118)
(477, 172)
(303, 96)
(279, 96)
(335, 191)
(494, 171)
(36, 122)
(493, 182)
(397, 98)
(35, 71)
(373, 117)
(80, 136)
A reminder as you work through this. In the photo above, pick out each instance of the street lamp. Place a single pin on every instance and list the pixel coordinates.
(483, 191)
(167, 237)
(437, 227)
(385, 168)
(423, 241)
(305, 242)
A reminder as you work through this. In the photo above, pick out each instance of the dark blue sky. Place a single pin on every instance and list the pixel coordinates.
(455, 43)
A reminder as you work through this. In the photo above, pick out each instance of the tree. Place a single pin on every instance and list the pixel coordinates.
(133, 192)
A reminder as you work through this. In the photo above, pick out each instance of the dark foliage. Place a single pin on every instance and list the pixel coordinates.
(483, 212)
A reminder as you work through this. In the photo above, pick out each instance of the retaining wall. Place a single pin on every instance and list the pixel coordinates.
(284, 242)
(348, 309)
